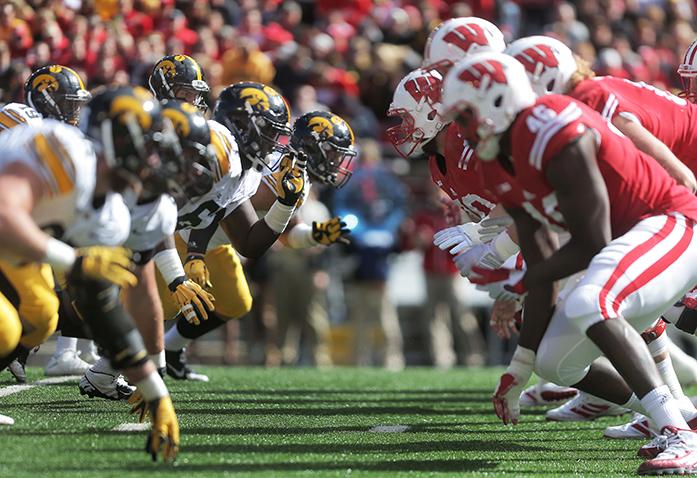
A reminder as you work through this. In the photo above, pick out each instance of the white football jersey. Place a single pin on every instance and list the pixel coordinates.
(13, 114)
(64, 161)
(151, 223)
(232, 187)
(110, 225)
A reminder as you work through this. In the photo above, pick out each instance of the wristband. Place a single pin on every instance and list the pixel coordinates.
(300, 236)
(278, 216)
(169, 264)
(504, 246)
(152, 387)
(59, 255)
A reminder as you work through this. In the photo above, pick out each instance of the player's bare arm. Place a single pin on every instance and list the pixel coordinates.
(249, 235)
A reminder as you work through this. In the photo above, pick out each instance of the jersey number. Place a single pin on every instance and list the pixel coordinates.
(196, 217)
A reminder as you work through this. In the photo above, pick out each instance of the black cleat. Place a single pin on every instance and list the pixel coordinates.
(16, 367)
(178, 368)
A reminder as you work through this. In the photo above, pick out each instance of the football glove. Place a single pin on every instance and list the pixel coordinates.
(191, 299)
(506, 397)
(330, 232)
(138, 406)
(469, 258)
(500, 283)
(112, 264)
(196, 270)
(164, 432)
(293, 178)
(490, 228)
(457, 239)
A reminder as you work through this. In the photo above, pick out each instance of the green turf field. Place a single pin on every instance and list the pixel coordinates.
(304, 422)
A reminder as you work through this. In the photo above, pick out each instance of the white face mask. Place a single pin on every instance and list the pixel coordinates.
(488, 148)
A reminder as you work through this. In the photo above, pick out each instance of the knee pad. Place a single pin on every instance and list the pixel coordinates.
(582, 307)
(553, 371)
(41, 313)
(112, 328)
(10, 328)
(191, 331)
(69, 321)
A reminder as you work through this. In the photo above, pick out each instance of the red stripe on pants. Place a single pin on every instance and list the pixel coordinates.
(630, 258)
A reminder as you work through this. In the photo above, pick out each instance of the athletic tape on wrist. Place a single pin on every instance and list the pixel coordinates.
(300, 237)
(59, 255)
(523, 362)
(278, 217)
(504, 246)
(169, 264)
(152, 387)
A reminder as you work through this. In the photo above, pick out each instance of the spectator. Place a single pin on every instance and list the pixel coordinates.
(247, 63)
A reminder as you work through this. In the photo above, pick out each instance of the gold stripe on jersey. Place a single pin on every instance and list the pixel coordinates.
(16, 116)
(222, 148)
(8, 121)
(52, 154)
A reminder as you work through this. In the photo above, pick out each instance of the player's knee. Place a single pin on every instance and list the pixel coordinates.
(10, 332)
(42, 317)
(582, 307)
(555, 370)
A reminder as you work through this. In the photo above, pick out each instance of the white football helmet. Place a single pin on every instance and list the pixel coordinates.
(456, 38)
(485, 93)
(548, 62)
(688, 72)
(415, 102)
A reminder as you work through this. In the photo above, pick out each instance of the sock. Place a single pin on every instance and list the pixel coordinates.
(158, 359)
(65, 344)
(665, 368)
(103, 365)
(634, 404)
(85, 344)
(685, 366)
(174, 340)
(663, 409)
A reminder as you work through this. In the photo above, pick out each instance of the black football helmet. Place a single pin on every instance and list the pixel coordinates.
(328, 142)
(179, 77)
(128, 131)
(194, 153)
(258, 116)
(57, 92)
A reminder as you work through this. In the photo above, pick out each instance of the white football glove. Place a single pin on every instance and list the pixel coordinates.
(466, 260)
(506, 397)
(489, 228)
(457, 239)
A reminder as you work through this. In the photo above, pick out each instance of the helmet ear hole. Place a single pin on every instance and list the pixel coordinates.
(550, 85)
(432, 115)
(498, 101)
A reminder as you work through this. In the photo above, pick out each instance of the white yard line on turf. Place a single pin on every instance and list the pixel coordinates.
(389, 428)
(131, 427)
(12, 389)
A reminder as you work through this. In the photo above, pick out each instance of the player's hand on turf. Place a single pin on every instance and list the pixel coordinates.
(192, 300)
(490, 228)
(196, 270)
(293, 180)
(112, 264)
(502, 283)
(506, 397)
(138, 406)
(330, 232)
(163, 438)
(457, 239)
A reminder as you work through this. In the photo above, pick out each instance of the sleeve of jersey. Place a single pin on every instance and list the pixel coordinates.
(557, 134)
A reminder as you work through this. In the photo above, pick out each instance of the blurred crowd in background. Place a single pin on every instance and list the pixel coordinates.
(390, 298)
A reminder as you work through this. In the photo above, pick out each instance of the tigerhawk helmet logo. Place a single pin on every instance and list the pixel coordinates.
(168, 69)
(321, 126)
(255, 97)
(179, 121)
(45, 83)
(130, 106)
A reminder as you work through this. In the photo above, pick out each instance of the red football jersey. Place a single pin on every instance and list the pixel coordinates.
(669, 118)
(458, 177)
(637, 186)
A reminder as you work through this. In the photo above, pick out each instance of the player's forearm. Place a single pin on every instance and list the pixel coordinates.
(143, 303)
(258, 240)
(539, 306)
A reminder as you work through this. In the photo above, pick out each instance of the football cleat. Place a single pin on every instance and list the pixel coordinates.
(639, 427)
(66, 363)
(582, 408)
(16, 368)
(679, 457)
(5, 420)
(104, 385)
(178, 368)
(90, 354)
(658, 444)
(545, 393)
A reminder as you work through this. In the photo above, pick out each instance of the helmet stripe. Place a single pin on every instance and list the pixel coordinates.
(82, 85)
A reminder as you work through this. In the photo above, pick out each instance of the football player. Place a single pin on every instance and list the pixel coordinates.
(574, 173)
(179, 77)
(153, 222)
(658, 123)
(56, 92)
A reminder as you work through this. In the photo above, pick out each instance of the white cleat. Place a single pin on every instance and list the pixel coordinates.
(5, 420)
(66, 363)
(639, 427)
(546, 393)
(90, 355)
(679, 456)
(104, 385)
(583, 408)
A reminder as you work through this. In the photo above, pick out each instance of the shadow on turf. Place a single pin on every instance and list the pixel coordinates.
(318, 391)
